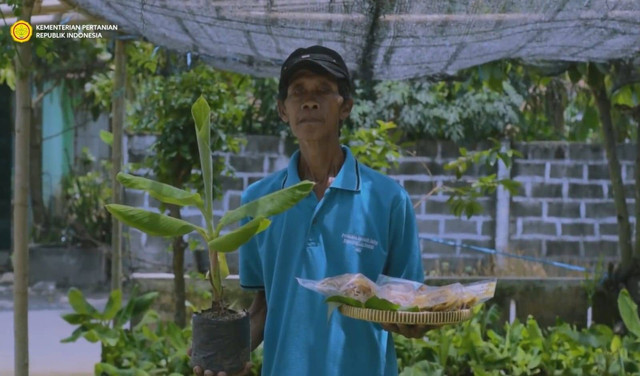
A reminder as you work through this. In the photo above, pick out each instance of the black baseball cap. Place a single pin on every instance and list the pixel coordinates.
(317, 59)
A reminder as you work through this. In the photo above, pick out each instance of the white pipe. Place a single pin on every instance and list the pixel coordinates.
(589, 316)
(503, 199)
(512, 311)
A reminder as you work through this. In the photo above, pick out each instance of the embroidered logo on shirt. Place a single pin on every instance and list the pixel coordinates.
(359, 242)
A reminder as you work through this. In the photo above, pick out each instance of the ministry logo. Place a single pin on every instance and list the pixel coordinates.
(21, 31)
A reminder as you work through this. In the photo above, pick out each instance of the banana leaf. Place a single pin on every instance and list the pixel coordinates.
(162, 192)
(234, 239)
(152, 223)
(271, 204)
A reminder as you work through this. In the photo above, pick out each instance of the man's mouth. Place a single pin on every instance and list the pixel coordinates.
(310, 120)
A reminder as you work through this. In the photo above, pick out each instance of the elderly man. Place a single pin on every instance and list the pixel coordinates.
(355, 221)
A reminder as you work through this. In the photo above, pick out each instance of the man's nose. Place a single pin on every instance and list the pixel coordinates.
(310, 104)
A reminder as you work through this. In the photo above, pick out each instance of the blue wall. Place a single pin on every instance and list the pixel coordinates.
(57, 141)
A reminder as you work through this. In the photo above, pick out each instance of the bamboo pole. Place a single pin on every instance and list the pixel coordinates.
(22, 62)
(117, 123)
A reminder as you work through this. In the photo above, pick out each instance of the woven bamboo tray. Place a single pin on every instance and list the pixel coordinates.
(401, 317)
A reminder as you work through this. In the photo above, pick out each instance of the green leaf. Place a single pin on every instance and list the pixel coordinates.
(106, 137)
(409, 309)
(590, 118)
(344, 300)
(594, 76)
(123, 315)
(76, 318)
(574, 74)
(79, 304)
(142, 303)
(113, 305)
(162, 192)
(74, 336)
(627, 95)
(224, 267)
(108, 336)
(234, 239)
(271, 204)
(629, 312)
(201, 113)
(150, 222)
(382, 304)
(149, 319)
(616, 344)
(174, 335)
(102, 368)
(91, 336)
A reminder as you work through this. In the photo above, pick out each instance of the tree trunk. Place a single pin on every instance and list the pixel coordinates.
(179, 246)
(117, 123)
(23, 62)
(40, 215)
(624, 229)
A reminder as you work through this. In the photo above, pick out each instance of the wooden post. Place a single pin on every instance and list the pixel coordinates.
(23, 61)
(117, 122)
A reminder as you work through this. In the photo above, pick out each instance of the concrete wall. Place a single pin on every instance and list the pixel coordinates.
(565, 207)
(564, 210)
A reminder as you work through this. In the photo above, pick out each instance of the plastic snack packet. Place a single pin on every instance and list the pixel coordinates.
(438, 299)
(397, 290)
(477, 292)
(386, 280)
(355, 286)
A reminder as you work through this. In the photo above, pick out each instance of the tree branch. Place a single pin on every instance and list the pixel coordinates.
(40, 96)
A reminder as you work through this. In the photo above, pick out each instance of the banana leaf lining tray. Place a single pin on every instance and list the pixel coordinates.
(403, 317)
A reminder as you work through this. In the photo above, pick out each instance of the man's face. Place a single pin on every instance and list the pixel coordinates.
(314, 107)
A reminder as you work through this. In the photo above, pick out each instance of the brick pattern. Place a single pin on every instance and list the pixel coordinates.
(565, 208)
(563, 211)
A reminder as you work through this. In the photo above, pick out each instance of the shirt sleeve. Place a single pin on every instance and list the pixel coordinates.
(250, 262)
(404, 259)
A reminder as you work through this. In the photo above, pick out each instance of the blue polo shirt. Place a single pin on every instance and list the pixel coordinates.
(364, 224)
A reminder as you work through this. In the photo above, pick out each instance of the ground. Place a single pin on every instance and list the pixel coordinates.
(47, 356)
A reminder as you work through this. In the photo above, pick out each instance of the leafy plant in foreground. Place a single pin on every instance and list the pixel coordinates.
(474, 348)
(150, 347)
(161, 225)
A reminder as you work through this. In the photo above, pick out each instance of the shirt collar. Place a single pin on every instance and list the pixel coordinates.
(348, 178)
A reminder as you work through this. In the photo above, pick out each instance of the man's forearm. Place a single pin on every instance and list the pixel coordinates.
(258, 314)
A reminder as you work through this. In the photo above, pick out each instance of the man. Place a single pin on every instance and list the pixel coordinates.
(355, 221)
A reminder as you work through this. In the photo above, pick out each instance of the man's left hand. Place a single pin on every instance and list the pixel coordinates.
(409, 331)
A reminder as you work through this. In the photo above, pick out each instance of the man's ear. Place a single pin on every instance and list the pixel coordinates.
(346, 108)
(282, 111)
